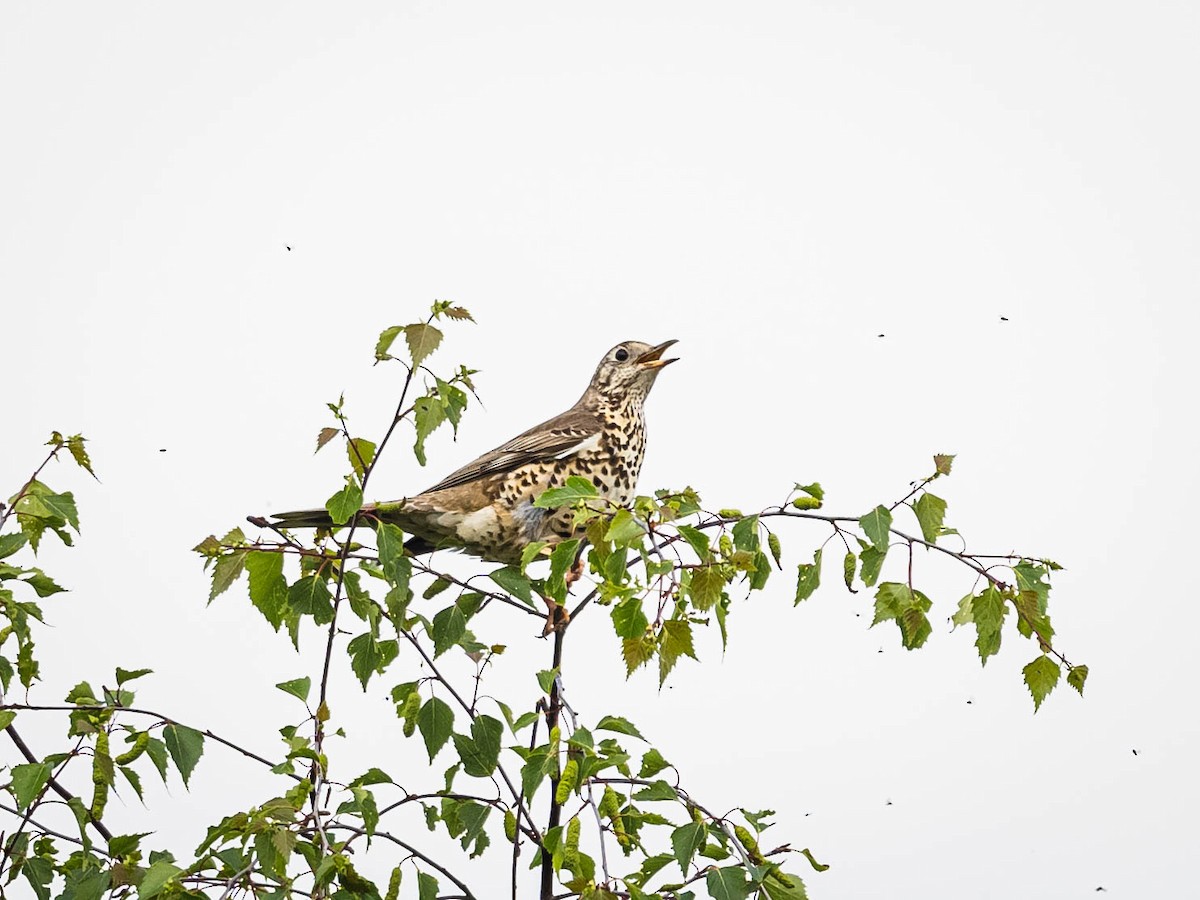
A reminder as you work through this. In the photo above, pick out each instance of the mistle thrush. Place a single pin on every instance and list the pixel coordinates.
(486, 507)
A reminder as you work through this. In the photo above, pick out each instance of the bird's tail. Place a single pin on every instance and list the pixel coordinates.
(299, 518)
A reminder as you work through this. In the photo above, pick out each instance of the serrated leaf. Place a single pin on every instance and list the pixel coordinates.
(514, 583)
(11, 543)
(872, 564)
(126, 675)
(652, 764)
(780, 886)
(576, 488)
(28, 779)
(481, 751)
(226, 571)
(629, 620)
(625, 529)
(987, 611)
(636, 652)
(369, 656)
(361, 453)
(156, 878)
(705, 588)
(729, 883)
(186, 746)
(657, 791)
(79, 453)
(619, 725)
(1041, 676)
(697, 540)
(685, 841)
(427, 886)
(458, 313)
(813, 490)
(675, 640)
(345, 503)
(297, 687)
(268, 588)
(876, 525)
(324, 436)
(436, 723)
(422, 340)
(449, 626)
(942, 463)
(808, 578)
(386, 338)
(930, 512)
(1077, 677)
(310, 596)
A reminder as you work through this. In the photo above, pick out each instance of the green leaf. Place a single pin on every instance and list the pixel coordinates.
(345, 503)
(625, 530)
(675, 640)
(11, 543)
(907, 607)
(42, 583)
(876, 525)
(268, 588)
(226, 571)
(7, 717)
(942, 463)
(28, 779)
(369, 656)
(629, 620)
(427, 886)
(186, 746)
(728, 884)
(297, 687)
(637, 652)
(480, 752)
(156, 878)
(384, 344)
(697, 540)
(576, 488)
(422, 340)
(808, 578)
(745, 533)
(685, 841)
(449, 626)
(514, 583)
(562, 558)
(1041, 676)
(619, 725)
(705, 588)
(428, 415)
(988, 610)
(658, 790)
(545, 679)
(436, 722)
(310, 596)
(930, 512)
(780, 886)
(813, 490)
(812, 861)
(652, 764)
(1075, 678)
(360, 452)
(126, 675)
(872, 563)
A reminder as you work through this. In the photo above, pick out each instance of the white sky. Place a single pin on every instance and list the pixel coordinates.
(774, 184)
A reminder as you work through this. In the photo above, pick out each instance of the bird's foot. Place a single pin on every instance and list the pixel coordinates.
(557, 617)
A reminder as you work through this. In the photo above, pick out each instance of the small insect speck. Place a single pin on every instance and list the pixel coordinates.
(889, 803)
(162, 449)
(880, 335)
(969, 702)
(1004, 318)
(1135, 753)
(286, 247)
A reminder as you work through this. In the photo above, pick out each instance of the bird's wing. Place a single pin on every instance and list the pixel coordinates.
(565, 435)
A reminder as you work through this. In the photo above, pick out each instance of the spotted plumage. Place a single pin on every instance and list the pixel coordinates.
(486, 507)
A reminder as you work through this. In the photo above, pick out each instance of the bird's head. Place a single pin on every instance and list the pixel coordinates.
(628, 370)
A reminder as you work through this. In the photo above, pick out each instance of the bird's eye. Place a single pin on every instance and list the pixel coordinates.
(622, 354)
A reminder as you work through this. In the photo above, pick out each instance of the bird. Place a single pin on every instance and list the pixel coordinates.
(486, 508)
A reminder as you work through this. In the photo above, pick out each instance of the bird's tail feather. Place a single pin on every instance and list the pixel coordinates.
(303, 518)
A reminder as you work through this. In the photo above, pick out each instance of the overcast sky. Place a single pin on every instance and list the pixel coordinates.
(1007, 193)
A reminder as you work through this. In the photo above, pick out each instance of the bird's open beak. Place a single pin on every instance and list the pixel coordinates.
(652, 358)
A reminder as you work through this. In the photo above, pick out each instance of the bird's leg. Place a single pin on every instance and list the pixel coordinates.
(557, 616)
